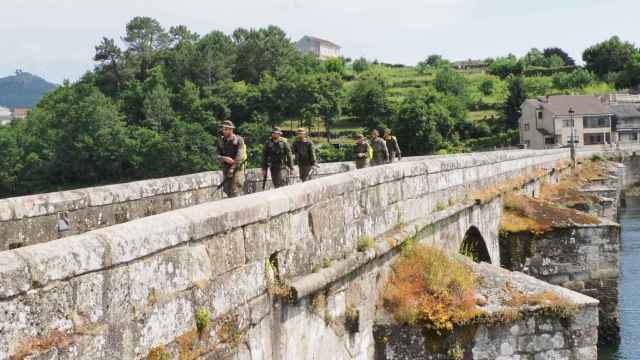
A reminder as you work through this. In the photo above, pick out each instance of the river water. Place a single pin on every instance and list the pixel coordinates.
(629, 294)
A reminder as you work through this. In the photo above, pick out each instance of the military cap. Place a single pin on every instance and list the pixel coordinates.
(276, 130)
(301, 131)
(387, 131)
(228, 124)
(359, 136)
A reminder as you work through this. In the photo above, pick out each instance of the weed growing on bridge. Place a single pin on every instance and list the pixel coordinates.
(365, 243)
(440, 206)
(275, 285)
(202, 319)
(547, 301)
(158, 353)
(430, 288)
(568, 191)
(33, 345)
(456, 353)
(525, 214)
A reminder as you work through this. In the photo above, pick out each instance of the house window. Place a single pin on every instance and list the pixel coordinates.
(526, 127)
(539, 114)
(593, 139)
(549, 140)
(567, 123)
(596, 121)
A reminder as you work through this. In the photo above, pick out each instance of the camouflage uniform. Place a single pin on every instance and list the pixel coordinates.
(380, 152)
(362, 154)
(233, 174)
(393, 147)
(305, 157)
(277, 156)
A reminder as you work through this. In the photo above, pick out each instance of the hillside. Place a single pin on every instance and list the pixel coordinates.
(23, 90)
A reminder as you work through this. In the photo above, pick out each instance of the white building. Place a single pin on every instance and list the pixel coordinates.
(323, 49)
(5, 116)
(560, 120)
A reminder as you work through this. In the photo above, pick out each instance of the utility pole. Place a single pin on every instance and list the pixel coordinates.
(573, 137)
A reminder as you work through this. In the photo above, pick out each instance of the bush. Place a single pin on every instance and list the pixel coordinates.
(202, 319)
(579, 78)
(365, 243)
(360, 65)
(427, 286)
(546, 71)
(486, 87)
(329, 153)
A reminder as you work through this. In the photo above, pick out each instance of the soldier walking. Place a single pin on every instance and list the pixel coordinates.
(276, 157)
(363, 152)
(380, 151)
(392, 146)
(305, 156)
(232, 154)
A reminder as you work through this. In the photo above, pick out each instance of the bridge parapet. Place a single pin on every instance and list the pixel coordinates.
(139, 284)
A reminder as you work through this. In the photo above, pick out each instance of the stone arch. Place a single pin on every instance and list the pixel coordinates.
(474, 245)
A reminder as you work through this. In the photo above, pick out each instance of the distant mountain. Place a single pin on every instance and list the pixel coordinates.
(23, 90)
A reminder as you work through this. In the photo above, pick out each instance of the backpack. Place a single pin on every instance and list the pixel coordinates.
(245, 156)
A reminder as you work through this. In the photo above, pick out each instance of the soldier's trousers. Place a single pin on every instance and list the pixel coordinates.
(305, 171)
(234, 186)
(361, 163)
(279, 177)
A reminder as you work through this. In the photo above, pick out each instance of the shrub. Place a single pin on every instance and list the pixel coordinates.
(426, 286)
(202, 319)
(365, 243)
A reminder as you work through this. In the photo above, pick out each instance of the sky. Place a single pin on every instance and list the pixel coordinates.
(56, 38)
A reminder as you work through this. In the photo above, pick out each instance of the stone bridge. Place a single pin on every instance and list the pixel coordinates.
(165, 268)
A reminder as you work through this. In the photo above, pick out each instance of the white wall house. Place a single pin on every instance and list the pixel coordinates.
(547, 122)
(323, 49)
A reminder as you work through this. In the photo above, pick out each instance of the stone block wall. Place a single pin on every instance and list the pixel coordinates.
(140, 287)
(38, 218)
(582, 258)
(533, 337)
(526, 332)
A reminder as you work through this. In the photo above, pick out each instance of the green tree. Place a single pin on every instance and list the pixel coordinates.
(144, 38)
(80, 138)
(369, 102)
(535, 57)
(335, 66)
(451, 82)
(512, 106)
(261, 51)
(419, 116)
(629, 77)
(577, 79)
(110, 66)
(329, 100)
(537, 86)
(360, 65)
(556, 51)
(486, 87)
(505, 66)
(215, 60)
(610, 56)
(11, 161)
